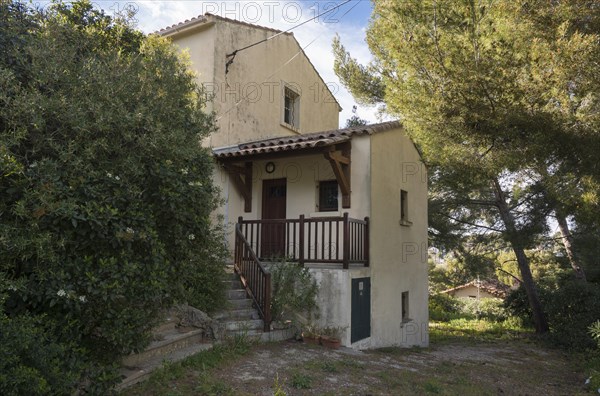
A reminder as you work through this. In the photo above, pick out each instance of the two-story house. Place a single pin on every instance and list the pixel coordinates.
(350, 204)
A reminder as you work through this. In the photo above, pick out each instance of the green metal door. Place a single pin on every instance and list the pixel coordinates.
(360, 322)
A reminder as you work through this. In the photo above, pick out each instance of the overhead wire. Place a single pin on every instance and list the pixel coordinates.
(233, 54)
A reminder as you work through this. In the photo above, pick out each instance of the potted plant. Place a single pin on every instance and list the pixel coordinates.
(330, 337)
(310, 335)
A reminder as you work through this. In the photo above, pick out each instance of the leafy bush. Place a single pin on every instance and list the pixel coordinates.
(105, 193)
(443, 307)
(294, 290)
(31, 361)
(487, 308)
(571, 309)
(517, 304)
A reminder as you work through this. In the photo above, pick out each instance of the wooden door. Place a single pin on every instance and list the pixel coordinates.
(273, 207)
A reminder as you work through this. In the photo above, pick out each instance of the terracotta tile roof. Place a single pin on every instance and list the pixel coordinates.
(206, 18)
(299, 142)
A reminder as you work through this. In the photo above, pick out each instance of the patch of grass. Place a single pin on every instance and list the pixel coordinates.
(592, 371)
(477, 330)
(300, 380)
(353, 364)
(432, 386)
(191, 375)
(327, 366)
(211, 386)
(390, 379)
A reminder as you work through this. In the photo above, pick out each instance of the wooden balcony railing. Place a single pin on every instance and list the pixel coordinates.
(255, 279)
(324, 240)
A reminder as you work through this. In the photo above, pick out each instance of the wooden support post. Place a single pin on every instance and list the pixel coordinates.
(301, 242)
(340, 164)
(346, 256)
(367, 253)
(242, 181)
(267, 303)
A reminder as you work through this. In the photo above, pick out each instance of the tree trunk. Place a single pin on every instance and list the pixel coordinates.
(567, 241)
(539, 319)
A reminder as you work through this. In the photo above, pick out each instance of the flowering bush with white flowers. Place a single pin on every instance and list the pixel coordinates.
(105, 192)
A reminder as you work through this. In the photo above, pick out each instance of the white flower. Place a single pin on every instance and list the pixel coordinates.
(587, 381)
(117, 178)
(109, 175)
(61, 293)
(184, 171)
(82, 299)
(191, 237)
(12, 287)
(129, 230)
(195, 184)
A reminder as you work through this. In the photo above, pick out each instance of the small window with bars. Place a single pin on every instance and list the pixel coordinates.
(328, 196)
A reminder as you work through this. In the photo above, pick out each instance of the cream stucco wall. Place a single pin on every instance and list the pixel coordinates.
(471, 292)
(382, 165)
(398, 252)
(248, 100)
(302, 174)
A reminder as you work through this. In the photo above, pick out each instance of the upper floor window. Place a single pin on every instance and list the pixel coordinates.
(291, 108)
(404, 220)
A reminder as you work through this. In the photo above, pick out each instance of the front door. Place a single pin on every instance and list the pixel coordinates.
(273, 207)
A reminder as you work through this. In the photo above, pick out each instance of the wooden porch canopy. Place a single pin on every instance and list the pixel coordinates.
(334, 145)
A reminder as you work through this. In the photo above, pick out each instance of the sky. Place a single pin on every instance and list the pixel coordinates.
(350, 21)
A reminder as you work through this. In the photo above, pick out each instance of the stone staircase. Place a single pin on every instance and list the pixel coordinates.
(240, 317)
(172, 343)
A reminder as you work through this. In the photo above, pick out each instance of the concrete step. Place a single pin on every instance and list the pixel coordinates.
(241, 325)
(169, 342)
(232, 284)
(240, 314)
(261, 336)
(240, 303)
(133, 375)
(232, 277)
(236, 294)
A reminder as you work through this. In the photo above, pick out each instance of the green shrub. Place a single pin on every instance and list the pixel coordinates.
(443, 307)
(571, 310)
(105, 194)
(517, 304)
(486, 308)
(594, 330)
(294, 290)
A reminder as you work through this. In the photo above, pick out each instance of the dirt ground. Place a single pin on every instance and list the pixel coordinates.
(486, 368)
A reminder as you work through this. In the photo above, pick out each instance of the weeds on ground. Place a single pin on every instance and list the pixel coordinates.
(477, 330)
(300, 380)
(278, 387)
(170, 378)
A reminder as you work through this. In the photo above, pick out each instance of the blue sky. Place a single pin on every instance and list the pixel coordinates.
(349, 21)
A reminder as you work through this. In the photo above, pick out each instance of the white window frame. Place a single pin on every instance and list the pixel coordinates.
(295, 109)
